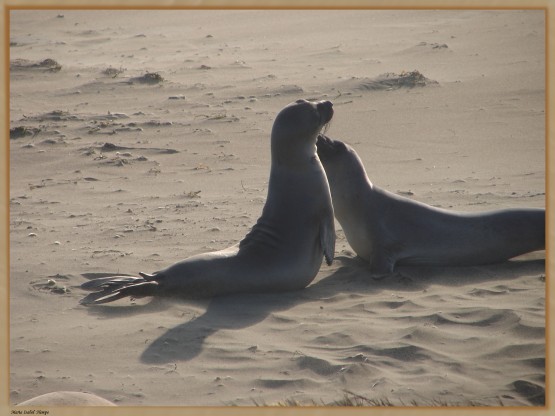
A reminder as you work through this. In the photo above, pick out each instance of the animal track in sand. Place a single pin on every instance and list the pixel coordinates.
(51, 285)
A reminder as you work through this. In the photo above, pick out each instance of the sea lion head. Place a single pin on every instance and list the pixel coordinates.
(296, 128)
(340, 160)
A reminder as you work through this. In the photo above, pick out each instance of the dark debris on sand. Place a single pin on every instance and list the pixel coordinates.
(23, 131)
(405, 79)
(47, 64)
(391, 81)
(149, 78)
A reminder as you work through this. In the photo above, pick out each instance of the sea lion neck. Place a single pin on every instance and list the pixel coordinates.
(285, 153)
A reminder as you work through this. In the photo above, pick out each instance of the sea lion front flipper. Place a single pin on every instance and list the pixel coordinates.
(381, 266)
(327, 238)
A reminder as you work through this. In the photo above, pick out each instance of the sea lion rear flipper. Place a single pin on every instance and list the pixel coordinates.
(101, 282)
(113, 291)
(327, 238)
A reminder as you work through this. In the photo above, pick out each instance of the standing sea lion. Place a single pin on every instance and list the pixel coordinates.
(283, 251)
(386, 229)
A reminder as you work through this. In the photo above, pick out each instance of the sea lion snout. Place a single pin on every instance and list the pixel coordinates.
(328, 148)
(325, 108)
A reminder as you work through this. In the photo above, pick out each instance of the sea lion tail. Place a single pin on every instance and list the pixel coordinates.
(109, 289)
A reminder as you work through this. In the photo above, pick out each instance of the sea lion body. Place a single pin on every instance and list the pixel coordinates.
(386, 229)
(284, 249)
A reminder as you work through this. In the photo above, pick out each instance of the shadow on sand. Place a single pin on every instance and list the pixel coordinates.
(185, 341)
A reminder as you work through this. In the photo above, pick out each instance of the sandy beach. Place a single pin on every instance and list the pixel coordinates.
(139, 138)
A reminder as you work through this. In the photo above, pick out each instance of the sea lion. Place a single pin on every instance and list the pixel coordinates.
(386, 229)
(284, 249)
(67, 398)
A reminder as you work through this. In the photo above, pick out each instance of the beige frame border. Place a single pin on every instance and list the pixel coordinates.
(7, 5)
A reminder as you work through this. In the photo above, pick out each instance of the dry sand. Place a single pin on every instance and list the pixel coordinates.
(112, 174)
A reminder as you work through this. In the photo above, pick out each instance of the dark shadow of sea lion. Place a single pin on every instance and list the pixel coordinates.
(186, 341)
